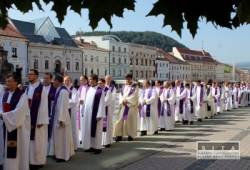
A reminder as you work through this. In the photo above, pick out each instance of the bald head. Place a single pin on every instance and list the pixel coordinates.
(108, 79)
(67, 81)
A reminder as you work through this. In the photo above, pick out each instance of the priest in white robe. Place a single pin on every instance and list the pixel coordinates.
(200, 100)
(110, 100)
(126, 124)
(94, 112)
(38, 103)
(167, 115)
(217, 97)
(148, 109)
(82, 91)
(61, 139)
(73, 108)
(16, 118)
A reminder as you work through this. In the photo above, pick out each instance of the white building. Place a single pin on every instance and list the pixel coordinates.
(142, 61)
(162, 69)
(50, 49)
(118, 53)
(15, 44)
(95, 59)
(178, 69)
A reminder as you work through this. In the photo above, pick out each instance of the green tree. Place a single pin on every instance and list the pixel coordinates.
(224, 13)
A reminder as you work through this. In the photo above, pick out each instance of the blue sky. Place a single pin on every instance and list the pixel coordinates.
(226, 45)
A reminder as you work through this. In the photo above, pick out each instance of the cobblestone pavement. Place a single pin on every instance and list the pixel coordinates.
(171, 150)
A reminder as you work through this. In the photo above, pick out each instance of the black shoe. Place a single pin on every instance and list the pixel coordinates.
(60, 160)
(97, 151)
(130, 138)
(90, 150)
(162, 129)
(206, 117)
(118, 138)
(143, 133)
(199, 120)
(156, 132)
(107, 146)
(35, 167)
(218, 112)
(177, 121)
(184, 122)
(191, 122)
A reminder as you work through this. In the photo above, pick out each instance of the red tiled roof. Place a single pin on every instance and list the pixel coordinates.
(11, 31)
(194, 55)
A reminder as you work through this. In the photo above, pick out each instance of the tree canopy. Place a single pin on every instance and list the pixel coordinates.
(225, 13)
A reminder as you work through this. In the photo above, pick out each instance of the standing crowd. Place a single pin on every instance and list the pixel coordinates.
(55, 117)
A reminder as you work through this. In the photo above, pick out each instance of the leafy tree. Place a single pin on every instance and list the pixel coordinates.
(225, 13)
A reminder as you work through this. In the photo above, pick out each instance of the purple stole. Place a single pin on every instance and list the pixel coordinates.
(208, 91)
(11, 136)
(51, 96)
(106, 113)
(126, 110)
(97, 98)
(168, 105)
(191, 102)
(237, 94)
(159, 101)
(51, 119)
(181, 101)
(34, 104)
(148, 107)
(202, 94)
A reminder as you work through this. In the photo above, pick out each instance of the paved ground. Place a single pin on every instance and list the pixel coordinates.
(171, 150)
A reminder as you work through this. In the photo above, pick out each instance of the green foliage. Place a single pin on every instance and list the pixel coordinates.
(146, 38)
(225, 13)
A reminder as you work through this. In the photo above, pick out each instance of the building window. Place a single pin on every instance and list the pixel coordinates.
(97, 71)
(68, 65)
(106, 72)
(114, 72)
(142, 62)
(86, 71)
(146, 62)
(119, 60)
(113, 59)
(46, 64)
(119, 49)
(131, 61)
(113, 48)
(92, 72)
(136, 73)
(125, 61)
(120, 73)
(14, 52)
(142, 74)
(92, 58)
(125, 50)
(77, 66)
(136, 61)
(36, 64)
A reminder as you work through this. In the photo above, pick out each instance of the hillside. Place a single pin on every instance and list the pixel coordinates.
(146, 38)
(244, 65)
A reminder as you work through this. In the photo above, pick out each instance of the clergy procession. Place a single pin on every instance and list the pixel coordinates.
(56, 117)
